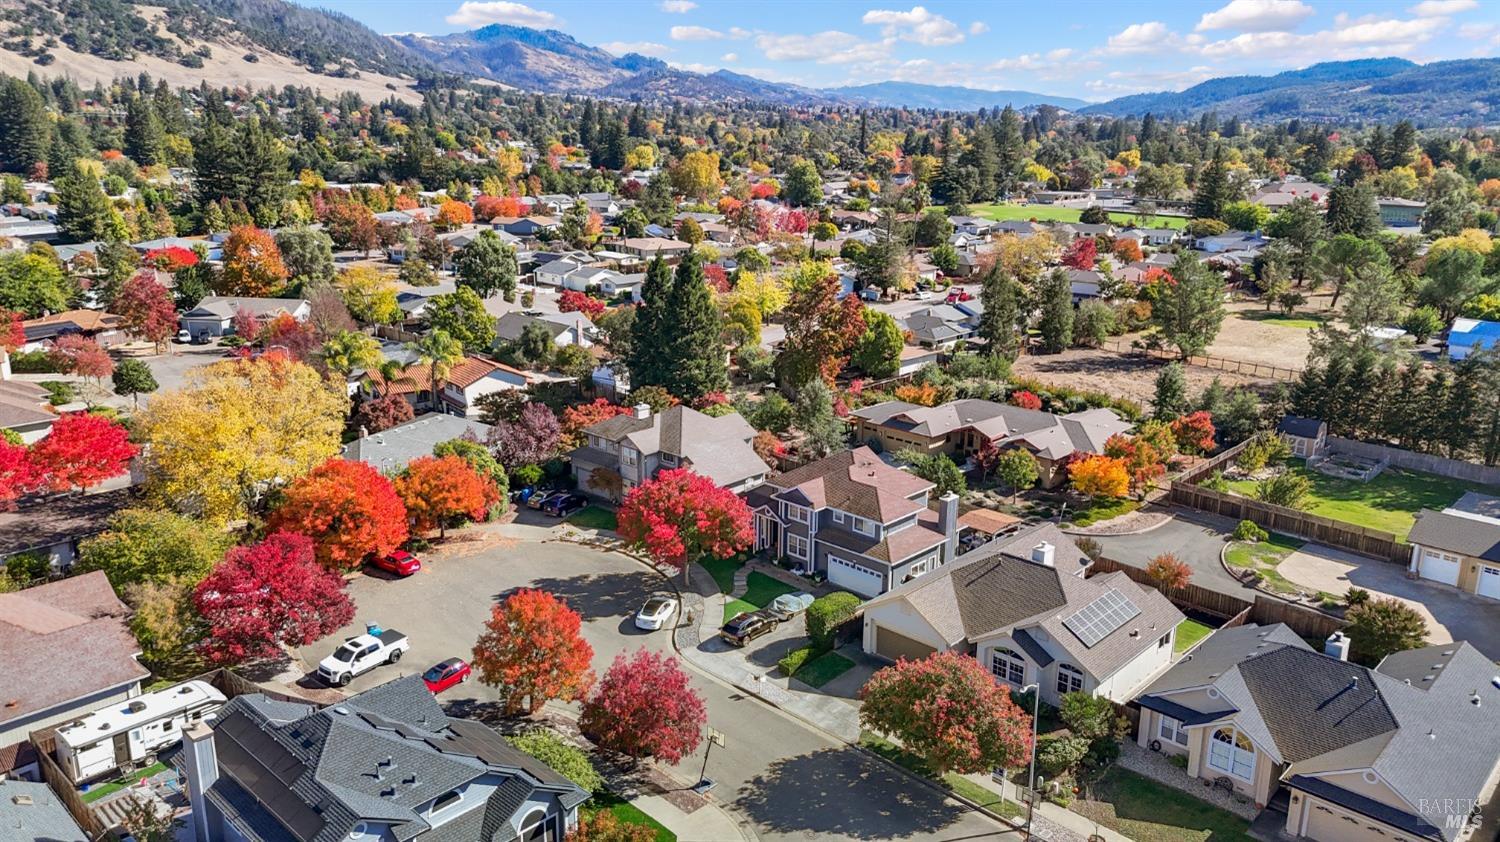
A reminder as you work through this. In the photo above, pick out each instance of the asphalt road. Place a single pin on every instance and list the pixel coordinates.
(1196, 540)
(782, 778)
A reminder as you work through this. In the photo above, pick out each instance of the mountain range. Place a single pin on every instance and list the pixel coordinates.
(272, 43)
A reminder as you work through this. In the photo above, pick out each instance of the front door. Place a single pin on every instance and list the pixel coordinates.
(765, 532)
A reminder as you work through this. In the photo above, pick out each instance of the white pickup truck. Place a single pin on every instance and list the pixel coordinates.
(362, 653)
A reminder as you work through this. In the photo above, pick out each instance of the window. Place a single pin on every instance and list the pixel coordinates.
(865, 527)
(796, 513)
(1164, 640)
(838, 517)
(1171, 730)
(537, 826)
(796, 546)
(1230, 751)
(1069, 679)
(444, 801)
(1008, 666)
(627, 457)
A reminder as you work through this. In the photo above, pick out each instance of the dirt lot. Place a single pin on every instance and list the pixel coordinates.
(1252, 335)
(1118, 375)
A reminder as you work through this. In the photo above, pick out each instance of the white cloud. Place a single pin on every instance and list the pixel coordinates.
(695, 33)
(1139, 38)
(645, 48)
(739, 34)
(473, 13)
(1257, 16)
(1059, 54)
(677, 7)
(1126, 81)
(978, 27)
(1476, 31)
(918, 26)
(828, 47)
(1349, 38)
(693, 67)
(1443, 8)
(730, 57)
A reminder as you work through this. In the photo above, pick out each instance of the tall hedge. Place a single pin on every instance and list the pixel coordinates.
(827, 613)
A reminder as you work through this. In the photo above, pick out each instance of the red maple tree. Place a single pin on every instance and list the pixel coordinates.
(1168, 572)
(75, 353)
(12, 332)
(298, 339)
(1081, 254)
(950, 711)
(531, 651)
(679, 516)
(645, 706)
(171, 258)
(146, 310)
(438, 491)
(383, 413)
(716, 278)
(19, 474)
(1025, 400)
(349, 510)
(1194, 432)
(576, 418)
(267, 596)
(353, 226)
(573, 301)
(83, 450)
(487, 208)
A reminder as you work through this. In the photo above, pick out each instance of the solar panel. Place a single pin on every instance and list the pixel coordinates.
(1099, 618)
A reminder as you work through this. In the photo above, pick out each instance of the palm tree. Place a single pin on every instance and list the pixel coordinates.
(438, 351)
(348, 350)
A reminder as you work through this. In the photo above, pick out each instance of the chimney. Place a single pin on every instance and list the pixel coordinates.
(1044, 554)
(202, 765)
(1337, 646)
(4, 364)
(364, 432)
(642, 410)
(948, 525)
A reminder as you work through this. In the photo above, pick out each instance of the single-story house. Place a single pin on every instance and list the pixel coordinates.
(941, 326)
(917, 357)
(1400, 213)
(617, 285)
(648, 247)
(1407, 751)
(1460, 545)
(1231, 241)
(1307, 437)
(526, 226)
(25, 407)
(65, 650)
(214, 315)
(566, 328)
(621, 452)
(1024, 606)
(53, 529)
(475, 377)
(390, 451)
(1470, 335)
(554, 272)
(97, 325)
(1149, 236)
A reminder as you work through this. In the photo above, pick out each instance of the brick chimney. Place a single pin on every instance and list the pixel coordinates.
(202, 765)
(948, 525)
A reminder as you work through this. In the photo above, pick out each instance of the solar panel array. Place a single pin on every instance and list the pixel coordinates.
(1095, 621)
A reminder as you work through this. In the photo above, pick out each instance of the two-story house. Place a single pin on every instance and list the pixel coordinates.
(961, 428)
(387, 764)
(864, 524)
(1409, 750)
(622, 452)
(1025, 607)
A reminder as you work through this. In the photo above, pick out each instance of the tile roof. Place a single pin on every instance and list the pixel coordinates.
(62, 641)
(1051, 436)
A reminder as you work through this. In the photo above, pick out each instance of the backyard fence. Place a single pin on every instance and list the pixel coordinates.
(1225, 364)
(1190, 597)
(1426, 463)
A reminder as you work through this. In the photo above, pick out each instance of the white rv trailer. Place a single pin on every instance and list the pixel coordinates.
(129, 734)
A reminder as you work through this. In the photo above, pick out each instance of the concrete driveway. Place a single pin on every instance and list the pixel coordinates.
(779, 777)
(1196, 539)
(1451, 614)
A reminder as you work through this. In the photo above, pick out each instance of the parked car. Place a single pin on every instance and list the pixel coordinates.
(184, 337)
(539, 499)
(656, 612)
(870, 294)
(957, 295)
(400, 562)
(362, 653)
(562, 505)
(789, 605)
(922, 295)
(445, 674)
(748, 626)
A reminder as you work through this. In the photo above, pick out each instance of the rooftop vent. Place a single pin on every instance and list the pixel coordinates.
(136, 706)
(1044, 554)
(1474, 699)
(22, 800)
(341, 710)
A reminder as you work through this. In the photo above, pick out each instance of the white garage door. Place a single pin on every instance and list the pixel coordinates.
(1439, 567)
(855, 577)
(1489, 581)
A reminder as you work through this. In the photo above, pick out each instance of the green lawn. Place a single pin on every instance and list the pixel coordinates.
(606, 801)
(824, 668)
(1389, 502)
(760, 590)
(987, 798)
(1103, 510)
(98, 791)
(1262, 557)
(1149, 812)
(1189, 632)
(594, 517)
(722, 569)
(1004, 211)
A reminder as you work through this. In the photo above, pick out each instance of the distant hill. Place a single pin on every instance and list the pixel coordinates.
(948, 98)
(534, 59)
(1459, 92)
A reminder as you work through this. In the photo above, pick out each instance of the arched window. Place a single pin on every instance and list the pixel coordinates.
(535, 827)
(1069, 679)
(1008, 666)
(1231, 751)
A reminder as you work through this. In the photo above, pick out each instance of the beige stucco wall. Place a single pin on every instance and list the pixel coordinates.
(898, 616)
(1260, 785)
(1314, 818)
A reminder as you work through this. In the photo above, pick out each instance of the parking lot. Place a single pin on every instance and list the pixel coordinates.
(780, 777)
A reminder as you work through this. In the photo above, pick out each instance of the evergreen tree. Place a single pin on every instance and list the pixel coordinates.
(1189, 313)
(999, 323)
(1353, 210)
(981, 158)
(647, 333)
(83, 211)
(1170, 401)
(24, 129)
(1010, 150)
(803, 187)
(694, 346)
(1056, 324)
(144, 141)
(1213, 190)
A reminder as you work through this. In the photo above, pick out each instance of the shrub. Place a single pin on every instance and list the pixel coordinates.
(1249, 530)
(1089, 547)
(795, 659)
(1378, 627)
(33, 362)
(1356, 596)
(1265, 449)
(1216, 482)
(24, 568)
(569, 761)
(1057, 755)
(827, 613)
(1286, 489)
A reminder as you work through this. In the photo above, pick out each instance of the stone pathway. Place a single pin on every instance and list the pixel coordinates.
(1159, 768)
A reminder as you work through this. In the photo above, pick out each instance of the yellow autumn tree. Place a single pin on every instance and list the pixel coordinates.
(697, 174)
(238, 429)
(642, 157)
(764, 291)
(370, 295)
(1025, 258)
(1098, 477)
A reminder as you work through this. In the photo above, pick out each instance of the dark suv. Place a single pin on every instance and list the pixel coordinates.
(748, 626)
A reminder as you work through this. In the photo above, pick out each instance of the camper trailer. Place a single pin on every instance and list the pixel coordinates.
(128, 735)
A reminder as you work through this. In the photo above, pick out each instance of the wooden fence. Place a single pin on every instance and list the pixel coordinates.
(1427, 463)
(1190, 597)
(1225, 364)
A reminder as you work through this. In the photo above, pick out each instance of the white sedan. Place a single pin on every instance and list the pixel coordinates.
(655, 613)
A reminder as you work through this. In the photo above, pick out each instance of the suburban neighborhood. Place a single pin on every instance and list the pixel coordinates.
(408, 450)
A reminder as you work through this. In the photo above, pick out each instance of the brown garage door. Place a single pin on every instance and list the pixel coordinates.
(889, 644)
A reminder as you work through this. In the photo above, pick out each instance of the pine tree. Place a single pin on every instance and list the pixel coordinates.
(24, 129)
(1171, 393)
(144, 141)
(647, 338)
(981, 158)
(1002, 314)
(694, 346)
(1213, 189)
(83, 211)
(1010, 150)
(1056, 324)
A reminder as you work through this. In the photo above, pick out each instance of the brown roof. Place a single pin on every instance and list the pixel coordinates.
(85, 320)
(987, 521)
(59, 519)
(62, 641)
(858, 482)
(471, 370)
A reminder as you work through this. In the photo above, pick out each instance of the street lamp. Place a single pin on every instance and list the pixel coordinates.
(1036, 709)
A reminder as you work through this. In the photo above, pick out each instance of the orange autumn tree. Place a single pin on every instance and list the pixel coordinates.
(349, 510)
(252, 264)
(438, 491)
(531, 650)
(1100, 477)
(453, 214)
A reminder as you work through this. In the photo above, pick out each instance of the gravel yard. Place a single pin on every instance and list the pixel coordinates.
(1116, 374)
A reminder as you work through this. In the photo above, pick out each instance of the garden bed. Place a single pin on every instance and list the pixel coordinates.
(605, 801)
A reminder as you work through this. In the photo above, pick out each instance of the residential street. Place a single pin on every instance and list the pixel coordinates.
(779, 777)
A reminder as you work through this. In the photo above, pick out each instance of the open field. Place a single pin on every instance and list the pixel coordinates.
(1252, 334)
(1003, 211)
(1122, 376)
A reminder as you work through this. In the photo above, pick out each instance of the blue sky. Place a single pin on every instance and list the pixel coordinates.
(1089, 49)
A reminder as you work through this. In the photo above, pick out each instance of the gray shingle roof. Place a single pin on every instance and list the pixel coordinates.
(391, 450)
(1457, 534)
(44, 819)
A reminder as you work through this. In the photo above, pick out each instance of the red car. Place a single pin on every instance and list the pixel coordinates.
(959, 295)
(400, 562)
(446, 674)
